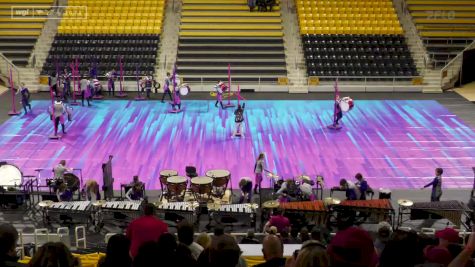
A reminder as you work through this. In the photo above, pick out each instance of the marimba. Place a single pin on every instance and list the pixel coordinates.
(117, 211)
(233, 213)
(314, 211)
(176, 211)
(451, 210)
(370, 211)
(128, 205)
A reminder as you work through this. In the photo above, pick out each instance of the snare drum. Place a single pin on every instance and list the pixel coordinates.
(176, 185)
(201, 185)
(10, 175)
(220, 177)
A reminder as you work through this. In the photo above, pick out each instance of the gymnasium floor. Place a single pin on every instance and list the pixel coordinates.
(395, 143)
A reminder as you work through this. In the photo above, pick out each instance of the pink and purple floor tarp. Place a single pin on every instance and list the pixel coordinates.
(394, 143)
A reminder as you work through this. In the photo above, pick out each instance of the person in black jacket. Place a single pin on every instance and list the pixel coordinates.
(8, 240)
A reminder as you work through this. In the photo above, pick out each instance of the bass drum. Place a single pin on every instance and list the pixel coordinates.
(184, 89)
(72, 182)
(10, 175)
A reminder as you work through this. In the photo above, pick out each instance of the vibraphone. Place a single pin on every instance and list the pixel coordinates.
(75, 211)
(315, 212)
(452, 210)
(118, 211)
(176, 211)
(368, 211)
(235, 213)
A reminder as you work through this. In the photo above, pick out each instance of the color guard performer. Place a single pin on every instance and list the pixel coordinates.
(338, 112)
(147, 83)
(259, 168)
(166, 87)
(58, 115)
(25, 97)
(86, 90)
(66, 77)
(220, 88)
(239, 120)
(111, 77)
(176, 99)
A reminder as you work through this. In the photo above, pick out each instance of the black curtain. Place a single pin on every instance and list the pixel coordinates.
(468, 67)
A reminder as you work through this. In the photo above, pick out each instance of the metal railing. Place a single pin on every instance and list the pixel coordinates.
(406, 19)
(454, 67)
(388, 82)
(5, 66)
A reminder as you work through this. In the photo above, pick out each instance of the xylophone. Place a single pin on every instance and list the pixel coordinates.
(314, 211)
(233, 213)
(176, 211)
(117, 211)
(371, 211)
(451, 210)
(75, 211)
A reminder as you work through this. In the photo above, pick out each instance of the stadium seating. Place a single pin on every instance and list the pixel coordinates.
(138, 52)
(20, 27)
(100, 32)
(214, 34)
(353, 38)
(446, 27)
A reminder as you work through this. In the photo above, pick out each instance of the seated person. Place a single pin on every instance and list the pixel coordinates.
(352, 192)
(279, 221)
(135, 193)
(270, 4)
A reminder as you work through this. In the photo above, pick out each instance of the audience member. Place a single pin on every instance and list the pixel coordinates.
(251, 4)
(250, 238)
(54, 254)
(8, 240)
(144, 229)
(218, 230)
(185, 236)
(223, 252)
(304, 235)
(273, 251)
(401, 243)
(312, 254)
(440, 253)
(382, 236)
(352, 247)
(150, 251)
(204, 240)
(117, 253)
(278, 220)
(184, 257)
(286, 238)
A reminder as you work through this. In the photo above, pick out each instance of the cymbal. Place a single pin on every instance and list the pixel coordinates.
(99, 203)
(274, 176)
(271, 204)
(332, 201)
(405, 202)
(45, 203)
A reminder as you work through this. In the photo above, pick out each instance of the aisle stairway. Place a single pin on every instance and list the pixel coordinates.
(446, 27)
(19, 30)
(214, 34)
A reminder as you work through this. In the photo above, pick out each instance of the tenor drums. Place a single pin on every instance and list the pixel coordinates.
(220, 177)
(384, 193)
(346, 104)
(176, 185)
(201, 185)
(184, 89)
(72, 181)
(165, 174)
(10, 175)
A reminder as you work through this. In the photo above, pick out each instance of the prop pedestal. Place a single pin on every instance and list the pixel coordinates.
(98, 97)
(53, 136)
(121, 95)
(140, 98)
(334, 127)
(175, 111)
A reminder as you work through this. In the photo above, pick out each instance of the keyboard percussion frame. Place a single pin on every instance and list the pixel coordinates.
(77, 211)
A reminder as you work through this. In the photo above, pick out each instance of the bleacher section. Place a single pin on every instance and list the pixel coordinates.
(214, 34)
(20, 30)
(446, 27)
(353, 38)
(112, 29)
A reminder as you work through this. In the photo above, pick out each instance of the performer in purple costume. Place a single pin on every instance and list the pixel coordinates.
(166, 87)
(85, 90)
(66, 77)
(176, 99)
(25, 97)
(111, 77)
